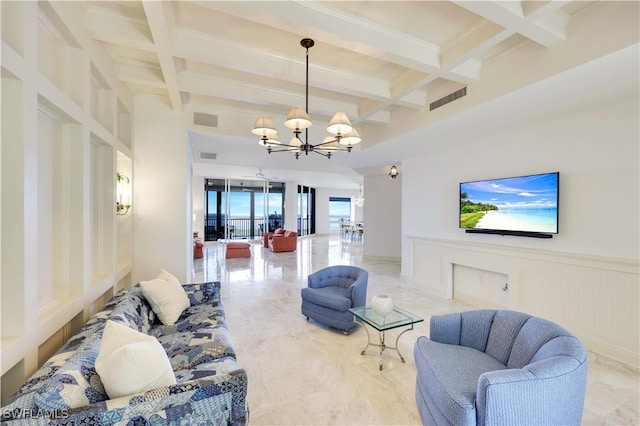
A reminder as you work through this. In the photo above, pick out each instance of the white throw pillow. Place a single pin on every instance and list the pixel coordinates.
(168, 276)
(130, 362)
(166, 297)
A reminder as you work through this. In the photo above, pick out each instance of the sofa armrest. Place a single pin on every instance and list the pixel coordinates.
(265, 238)
(546, 392)
(446, 328)
(220, 399)
(203, 292)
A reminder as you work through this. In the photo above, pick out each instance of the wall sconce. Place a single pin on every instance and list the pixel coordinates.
(393, 173)
(123, 194)
(122, 209)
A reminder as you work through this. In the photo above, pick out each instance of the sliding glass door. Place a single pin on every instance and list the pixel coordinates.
(242, 209)
(306, 210)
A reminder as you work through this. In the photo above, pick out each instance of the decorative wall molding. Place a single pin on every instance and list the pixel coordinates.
(631, 266)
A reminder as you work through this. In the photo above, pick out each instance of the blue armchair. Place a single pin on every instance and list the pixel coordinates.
(488, 367)
(331, 292)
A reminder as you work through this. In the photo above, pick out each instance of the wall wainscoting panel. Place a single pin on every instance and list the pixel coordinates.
(594, 297)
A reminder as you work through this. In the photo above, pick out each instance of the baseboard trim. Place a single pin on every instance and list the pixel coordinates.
(601, 348)
(382, 258)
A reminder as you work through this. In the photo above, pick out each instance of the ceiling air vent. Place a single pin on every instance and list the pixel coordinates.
(449, 98)
(208, 155)
(202, 119)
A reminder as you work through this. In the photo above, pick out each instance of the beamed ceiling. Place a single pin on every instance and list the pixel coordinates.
(382, 62)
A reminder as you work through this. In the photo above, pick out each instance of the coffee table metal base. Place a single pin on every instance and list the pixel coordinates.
(382, 345)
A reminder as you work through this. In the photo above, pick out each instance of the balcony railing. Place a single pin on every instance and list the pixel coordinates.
(239, 228)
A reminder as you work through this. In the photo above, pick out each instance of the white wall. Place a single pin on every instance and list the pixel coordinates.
(585, 277)
(383, 216)
(291, 206)
(162, 214)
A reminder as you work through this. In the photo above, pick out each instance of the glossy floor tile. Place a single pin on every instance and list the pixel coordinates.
(302, 373)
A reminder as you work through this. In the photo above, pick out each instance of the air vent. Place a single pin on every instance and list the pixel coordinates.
(449, 98)
(202, 119)
(208, 155)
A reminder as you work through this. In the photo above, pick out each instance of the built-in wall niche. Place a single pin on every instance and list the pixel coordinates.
(99, 303)
(124, 283)
(124, 125)
(49, 347)
(102, 100)
(13, 24)
(11, 381)
(125, 221)
(60, 58)
(59, 207)
(103, 206)
(12, 196)
(480, 287)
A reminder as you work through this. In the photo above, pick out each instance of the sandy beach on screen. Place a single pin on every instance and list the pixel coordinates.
(493, 219)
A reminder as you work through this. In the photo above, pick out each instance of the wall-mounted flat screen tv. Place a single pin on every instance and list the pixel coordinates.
(523, 205)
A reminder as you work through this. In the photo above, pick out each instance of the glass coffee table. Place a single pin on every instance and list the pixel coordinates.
(398, 318)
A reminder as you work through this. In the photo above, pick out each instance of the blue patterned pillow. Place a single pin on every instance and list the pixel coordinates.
(75, 384)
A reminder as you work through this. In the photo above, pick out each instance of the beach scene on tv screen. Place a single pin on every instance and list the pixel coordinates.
(527, 203)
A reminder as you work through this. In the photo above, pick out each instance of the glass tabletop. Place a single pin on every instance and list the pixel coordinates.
(398, 318)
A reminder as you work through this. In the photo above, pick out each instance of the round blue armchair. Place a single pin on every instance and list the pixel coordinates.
(331, 292)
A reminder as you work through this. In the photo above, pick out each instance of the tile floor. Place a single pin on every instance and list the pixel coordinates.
(305, 374)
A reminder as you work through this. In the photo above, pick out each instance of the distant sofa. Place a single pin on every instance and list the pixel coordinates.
(499, 367)
(267, 236)
(285, 241)
(211, 388)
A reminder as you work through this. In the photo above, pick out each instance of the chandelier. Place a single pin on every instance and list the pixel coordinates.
(342, 134)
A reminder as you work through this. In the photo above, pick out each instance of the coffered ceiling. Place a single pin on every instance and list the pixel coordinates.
(384, 63)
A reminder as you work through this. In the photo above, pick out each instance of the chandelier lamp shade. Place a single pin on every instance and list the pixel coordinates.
(342, 136)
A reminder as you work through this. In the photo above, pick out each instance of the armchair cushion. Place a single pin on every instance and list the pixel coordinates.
(456, 392)
(331, 297)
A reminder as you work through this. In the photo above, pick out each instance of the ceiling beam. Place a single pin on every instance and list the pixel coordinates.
(139, 73)
(545, 26)
(197, 47)
(109, 28)
(158, 20)
(363, 36)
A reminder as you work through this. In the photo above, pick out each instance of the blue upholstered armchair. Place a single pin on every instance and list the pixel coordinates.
(489, 367)
(331, 292)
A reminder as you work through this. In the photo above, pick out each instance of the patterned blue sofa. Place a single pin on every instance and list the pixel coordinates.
(211, 388)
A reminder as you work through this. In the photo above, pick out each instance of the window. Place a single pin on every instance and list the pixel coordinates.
(242, 209)
(339, 208)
